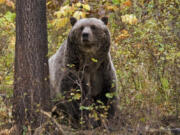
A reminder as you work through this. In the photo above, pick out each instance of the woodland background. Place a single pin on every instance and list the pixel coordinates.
(145, 50)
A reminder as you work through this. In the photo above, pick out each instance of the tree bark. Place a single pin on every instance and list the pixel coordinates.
(31, 82)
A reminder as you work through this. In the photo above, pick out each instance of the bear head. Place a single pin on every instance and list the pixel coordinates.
(90, 35)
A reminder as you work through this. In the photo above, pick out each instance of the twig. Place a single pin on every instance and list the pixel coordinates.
(55, 122)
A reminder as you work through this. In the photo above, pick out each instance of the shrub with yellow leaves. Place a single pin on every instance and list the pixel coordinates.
(77, 10)
(129, 18)
(64, 11)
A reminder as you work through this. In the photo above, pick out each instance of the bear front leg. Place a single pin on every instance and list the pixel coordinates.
(110, 91)
(69, 88)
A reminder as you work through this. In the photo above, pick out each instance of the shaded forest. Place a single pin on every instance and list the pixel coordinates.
(145, 51)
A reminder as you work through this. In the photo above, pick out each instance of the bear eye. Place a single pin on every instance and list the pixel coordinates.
(82, 27)
(93, 27)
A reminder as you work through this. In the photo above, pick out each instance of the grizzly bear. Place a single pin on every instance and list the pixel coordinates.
(83, 65)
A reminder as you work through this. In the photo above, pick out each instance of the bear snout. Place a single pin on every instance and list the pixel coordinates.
(86, 35)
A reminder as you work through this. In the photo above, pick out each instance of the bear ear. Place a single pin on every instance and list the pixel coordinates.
(73, 21)
(105, 20)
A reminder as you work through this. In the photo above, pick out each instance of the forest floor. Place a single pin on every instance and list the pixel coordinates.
(169, 125)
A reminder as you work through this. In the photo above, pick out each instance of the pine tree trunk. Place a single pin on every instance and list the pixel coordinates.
(31, 83)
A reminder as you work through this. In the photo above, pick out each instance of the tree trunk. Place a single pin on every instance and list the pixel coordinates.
(31, 83)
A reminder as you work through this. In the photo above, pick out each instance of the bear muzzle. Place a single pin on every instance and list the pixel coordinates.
(85, 37)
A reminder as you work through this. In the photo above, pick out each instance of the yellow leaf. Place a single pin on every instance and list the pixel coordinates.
(77, 96)
(131, 19)
(61, 22)
(95, 115)
(86, 6)
(48, 3)
(2, 1)
(79, 15)
(64, 11)
(66, 8)
(78, 4)
(94, 60)
(58, 14)
(111, 8)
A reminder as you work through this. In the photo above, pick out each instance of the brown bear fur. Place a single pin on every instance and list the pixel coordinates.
(84, 62)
